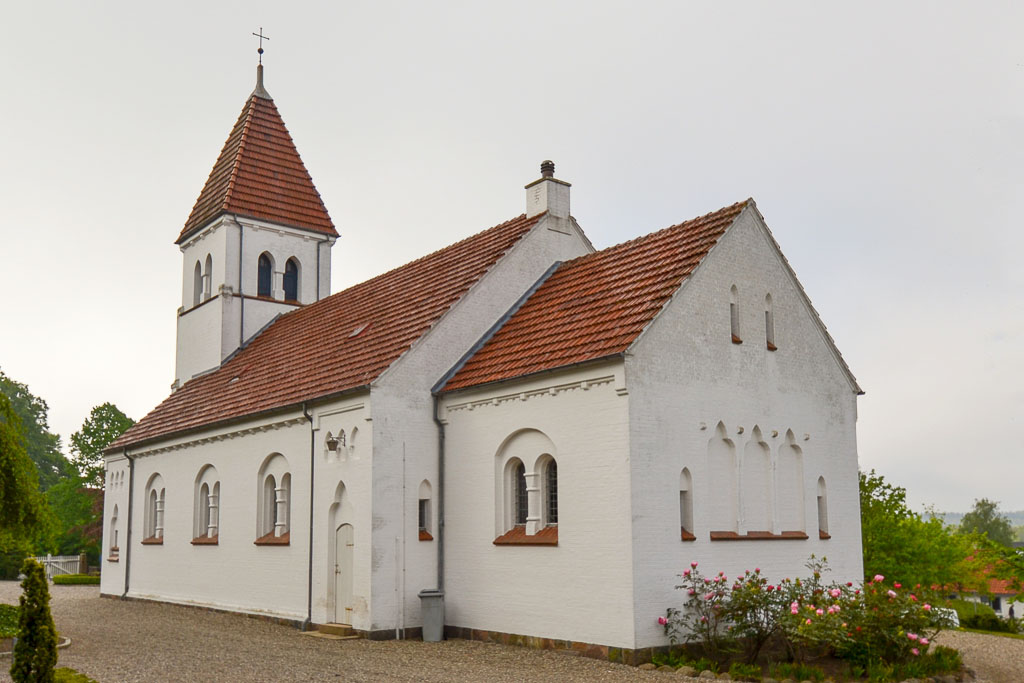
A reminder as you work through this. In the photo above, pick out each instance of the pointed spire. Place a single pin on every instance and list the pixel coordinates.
(259, 174)
(260, 91)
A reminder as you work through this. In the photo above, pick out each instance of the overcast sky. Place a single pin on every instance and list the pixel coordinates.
(882, 142)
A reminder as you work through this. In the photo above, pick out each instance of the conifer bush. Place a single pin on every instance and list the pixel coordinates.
(35, 653)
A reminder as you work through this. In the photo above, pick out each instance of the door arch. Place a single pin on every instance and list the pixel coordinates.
(343, 561)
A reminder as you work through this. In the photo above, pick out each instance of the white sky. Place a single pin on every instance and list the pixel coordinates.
(882, 142)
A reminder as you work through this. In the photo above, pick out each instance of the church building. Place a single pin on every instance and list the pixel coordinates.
(543, 433)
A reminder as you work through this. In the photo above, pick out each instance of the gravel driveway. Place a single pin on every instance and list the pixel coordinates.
(141, 641)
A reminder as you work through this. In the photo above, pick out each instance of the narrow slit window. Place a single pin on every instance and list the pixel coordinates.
(769, 324)
(686, 506)
(265, 276)
(552, 491)
(822, 509)
(734, 316)
(291, 280)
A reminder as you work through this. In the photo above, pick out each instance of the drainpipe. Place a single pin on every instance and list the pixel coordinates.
(440, 493)
(128, 528)
(309, 575)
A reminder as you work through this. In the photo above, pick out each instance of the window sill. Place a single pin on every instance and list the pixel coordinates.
(271, 539)
(153, 540)
(758, 536)
(771, 347)
(205, 540)
(686, 535)
(823, 535)
(425, 535)
(115, 554)
(736, 340)
(517, 536)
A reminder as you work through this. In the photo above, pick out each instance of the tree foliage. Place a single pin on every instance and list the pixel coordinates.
(42, 446)
(985, 518)
(902, 546)
(35, 653)
(105, 423)
(22, 507)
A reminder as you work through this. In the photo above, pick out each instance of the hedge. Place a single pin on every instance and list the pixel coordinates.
(75, 579)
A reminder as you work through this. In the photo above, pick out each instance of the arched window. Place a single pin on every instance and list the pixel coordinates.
(424, 511)
(264, 276)
(273, 508)
(686, 505)
(197, 285)
(520, 499)
(208, 278)
(822, 509)
(734, 315)
(153, 522)
(114, 551)
(769, 323)
(549, 497)
(756, 485)
(206, 514)
(291, 280)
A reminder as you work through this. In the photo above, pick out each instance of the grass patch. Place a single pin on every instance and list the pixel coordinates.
(66, 675)
(8, 621)
(75, 579)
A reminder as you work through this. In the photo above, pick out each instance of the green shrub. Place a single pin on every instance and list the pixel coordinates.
(745, 672)
(35, 653)
(13, 552)
(968, 609)
(75, 579)
(796, 671)
(8, 621)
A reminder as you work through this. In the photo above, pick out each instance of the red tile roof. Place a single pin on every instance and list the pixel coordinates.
(259, 174)
(596, 305)
(342, 342)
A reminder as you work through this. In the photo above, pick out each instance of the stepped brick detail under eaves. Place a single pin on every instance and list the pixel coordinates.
(259, 174)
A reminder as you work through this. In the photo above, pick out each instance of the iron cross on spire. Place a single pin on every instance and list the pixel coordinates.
(262, 38)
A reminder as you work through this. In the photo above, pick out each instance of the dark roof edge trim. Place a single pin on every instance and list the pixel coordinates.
(439, 386)
(536, 373)
(241, 418)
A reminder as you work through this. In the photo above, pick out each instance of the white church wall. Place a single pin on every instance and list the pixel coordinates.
(343, 484)
(581, 589)
(685, 376)
(405, 435)
(235, 573)
(115, 525)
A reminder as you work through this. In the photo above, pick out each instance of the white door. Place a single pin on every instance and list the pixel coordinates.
(343, 574)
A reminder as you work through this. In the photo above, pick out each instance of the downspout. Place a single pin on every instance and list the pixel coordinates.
(128, 528)
(318, 245)
(440, 493)
(309, 575)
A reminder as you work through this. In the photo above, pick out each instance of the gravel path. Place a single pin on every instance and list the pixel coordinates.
(140, 641)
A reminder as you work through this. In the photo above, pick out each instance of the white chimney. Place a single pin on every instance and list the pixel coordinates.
(548, 194)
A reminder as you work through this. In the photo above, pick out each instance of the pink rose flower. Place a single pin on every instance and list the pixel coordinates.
(808, 621)
(923, 641)
(835, 592)
(912, 636)
(892, 594)
(927, 607)
(662, 620)
(819, 611)
(914, 651)
(693, 564)
(879, 578)
(686, 572)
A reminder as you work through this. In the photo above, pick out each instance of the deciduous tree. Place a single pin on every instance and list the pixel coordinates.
(985, 518)
(42, 446)
(105, 423)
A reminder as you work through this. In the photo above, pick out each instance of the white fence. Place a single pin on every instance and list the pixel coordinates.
(62, 564)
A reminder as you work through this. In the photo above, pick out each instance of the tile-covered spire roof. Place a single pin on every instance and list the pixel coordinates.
(339, 343)
(259, 174)
(596, 305)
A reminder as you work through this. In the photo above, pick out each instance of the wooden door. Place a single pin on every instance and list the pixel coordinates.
(343, 548)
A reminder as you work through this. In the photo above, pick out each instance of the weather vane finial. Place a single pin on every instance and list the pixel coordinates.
(262, 38)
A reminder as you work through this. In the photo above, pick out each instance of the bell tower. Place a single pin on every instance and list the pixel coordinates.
(256, 245)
